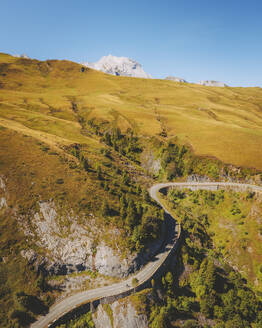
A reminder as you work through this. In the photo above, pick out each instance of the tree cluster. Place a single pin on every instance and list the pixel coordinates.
(126, 144)
(211, 289)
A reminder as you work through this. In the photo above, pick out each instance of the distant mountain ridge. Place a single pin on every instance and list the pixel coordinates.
(22, 56)
(124, 66)
(208, 83)
(120, 66)
(211, 83)
(176, 79)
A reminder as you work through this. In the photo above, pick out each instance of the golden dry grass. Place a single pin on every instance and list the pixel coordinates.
(221, 122)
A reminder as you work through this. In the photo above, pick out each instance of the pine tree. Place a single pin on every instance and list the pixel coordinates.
(122, 206)
(125, 179)
(86, 164)
(123, 212)
(138, 190)
(131, 214)
(106, 186)
(139, 210)
(146, 196)
(123, 201)
(108, 139)
(105, 211)
(99, 172)
(210, 275)
(169, 282)
(131, 209)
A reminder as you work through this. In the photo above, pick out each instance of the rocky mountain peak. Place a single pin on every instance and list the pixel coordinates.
(120, 66)
(22, 56)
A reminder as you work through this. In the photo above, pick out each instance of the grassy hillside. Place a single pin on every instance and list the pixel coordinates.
(232, 219)
(53, 100)
(91, 144)
(101, 193)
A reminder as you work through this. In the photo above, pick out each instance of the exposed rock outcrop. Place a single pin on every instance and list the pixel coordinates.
(119, 315)
(151, 162)
(2, 183)
(176, 79)
(69, 246)
(3, 202)
(197, 178)
(211, 83)
(22, 56)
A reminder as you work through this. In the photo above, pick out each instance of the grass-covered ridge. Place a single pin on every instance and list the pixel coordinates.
(55, 97)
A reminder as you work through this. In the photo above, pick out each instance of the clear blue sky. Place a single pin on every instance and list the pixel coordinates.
(193, 39)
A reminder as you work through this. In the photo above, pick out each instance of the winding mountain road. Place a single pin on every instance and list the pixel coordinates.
(147, 272)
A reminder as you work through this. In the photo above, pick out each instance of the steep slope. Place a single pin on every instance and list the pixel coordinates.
(206, 287)
(55, 97)
(78, 148)
(60, 214)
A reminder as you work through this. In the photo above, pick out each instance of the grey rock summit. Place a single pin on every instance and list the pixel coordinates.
(120, 66)
(22, 56)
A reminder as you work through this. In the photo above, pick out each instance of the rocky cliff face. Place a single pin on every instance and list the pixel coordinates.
(59, 241)
(59, 244)
(69, 246)
(119, 315)
(150, 161)
(120, 66)
(197, 178)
